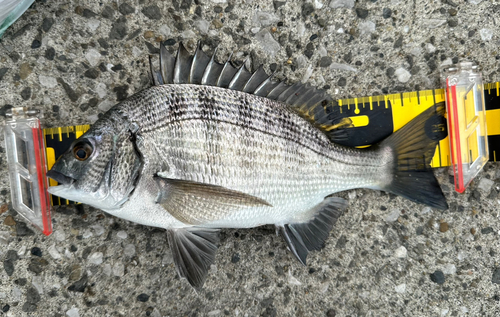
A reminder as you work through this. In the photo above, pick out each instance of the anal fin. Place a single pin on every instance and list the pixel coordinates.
(193, 250)
(308, 236)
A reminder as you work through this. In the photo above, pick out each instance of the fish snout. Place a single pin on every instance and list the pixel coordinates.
(60, 177)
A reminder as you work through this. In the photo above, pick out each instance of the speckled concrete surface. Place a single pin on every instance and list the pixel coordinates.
(386, 256)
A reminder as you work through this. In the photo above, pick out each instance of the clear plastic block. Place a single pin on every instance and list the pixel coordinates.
(25, 148)
(466, 121)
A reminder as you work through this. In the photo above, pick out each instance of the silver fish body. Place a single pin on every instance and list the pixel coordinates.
(223, 148)
(242, 142)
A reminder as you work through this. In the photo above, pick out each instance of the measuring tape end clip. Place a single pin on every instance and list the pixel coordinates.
(26, 160)
(465, 105)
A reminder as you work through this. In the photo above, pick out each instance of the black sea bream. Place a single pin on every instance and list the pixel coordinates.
(214, 146)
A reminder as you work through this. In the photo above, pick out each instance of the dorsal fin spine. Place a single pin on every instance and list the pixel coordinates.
(225, 69)
(166, 63)
(263, 84)
(193, 63)
(177, 67)
(277, 90)
(182, 66)
(206, 73)
(255, 80)
(287, 92)
(198, 65)
(237, 74)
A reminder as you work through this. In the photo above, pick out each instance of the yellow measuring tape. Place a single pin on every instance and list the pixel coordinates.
(400, 109)
(374, 118)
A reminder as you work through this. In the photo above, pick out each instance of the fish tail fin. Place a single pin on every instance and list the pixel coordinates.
(411, 150)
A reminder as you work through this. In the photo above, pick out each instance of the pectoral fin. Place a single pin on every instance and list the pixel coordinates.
(198, 203)
(193, 250)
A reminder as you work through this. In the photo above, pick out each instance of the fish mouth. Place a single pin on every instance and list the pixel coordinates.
(60, 178)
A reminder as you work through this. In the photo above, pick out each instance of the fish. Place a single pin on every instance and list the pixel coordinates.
(212, 145)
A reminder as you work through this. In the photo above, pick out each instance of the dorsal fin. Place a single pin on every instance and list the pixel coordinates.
(311, 103)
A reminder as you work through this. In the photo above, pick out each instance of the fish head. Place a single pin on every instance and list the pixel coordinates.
(98, 169)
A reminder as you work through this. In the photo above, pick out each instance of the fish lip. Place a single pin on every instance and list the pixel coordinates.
(60, 177)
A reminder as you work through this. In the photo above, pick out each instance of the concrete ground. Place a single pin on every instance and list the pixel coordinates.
(385, 257)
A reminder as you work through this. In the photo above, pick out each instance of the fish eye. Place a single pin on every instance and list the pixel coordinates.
(82, 150)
